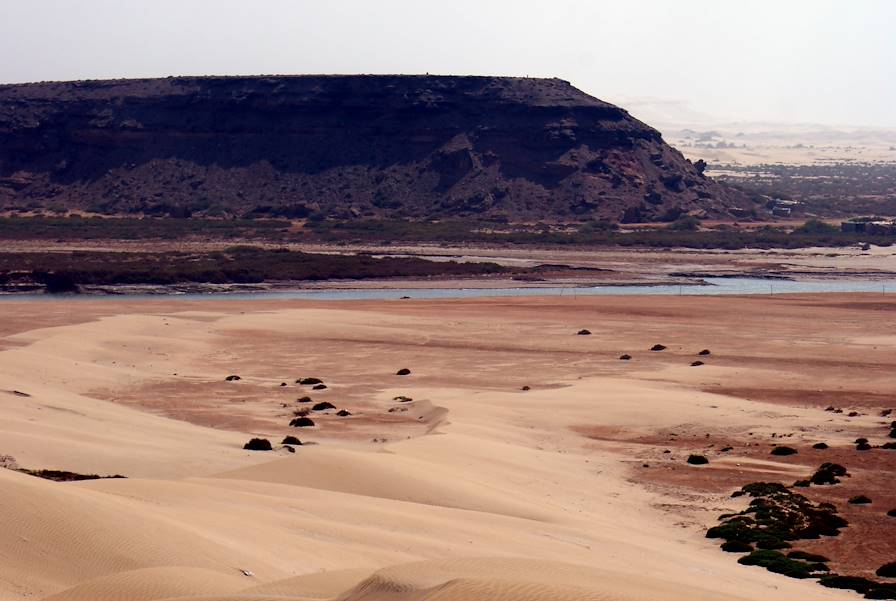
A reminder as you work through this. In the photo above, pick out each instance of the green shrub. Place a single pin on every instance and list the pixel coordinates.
(776, 562)
(736, 546)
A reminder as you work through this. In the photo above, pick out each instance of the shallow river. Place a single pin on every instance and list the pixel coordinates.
(713, 286)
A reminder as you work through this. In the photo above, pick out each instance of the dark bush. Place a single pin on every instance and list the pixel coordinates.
(736, 546)
(319, 387)
(704, 352)
(783, 451)
(828, 473)
(302, 422)
(343, 413)
(304, 399)
(697, 460)
(58, 283)
(232, 378)
(525, 388)
(820, 445)
(882, 593)
(892, 513)
(625, 357)
(776, 562)
(583, 333)
(403, 399)
(888, 570)
(309, 381)
(855, 583)
(863, 446)
(889, 446)
(859, 500)
(658, 347)
(291, 440)
(323, 406)
(258, 444)
(404, 371)
(696, 363)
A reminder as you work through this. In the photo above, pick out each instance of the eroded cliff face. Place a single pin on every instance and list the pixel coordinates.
(343, 146)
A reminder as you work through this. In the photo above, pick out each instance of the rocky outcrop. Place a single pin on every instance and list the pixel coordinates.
(343, 147)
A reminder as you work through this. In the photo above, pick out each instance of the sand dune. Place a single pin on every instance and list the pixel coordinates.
(495, 493)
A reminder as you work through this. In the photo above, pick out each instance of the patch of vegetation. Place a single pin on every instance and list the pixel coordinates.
(697, 460)
(775, 516)
(828, 473)
(888, 570)
(291, 440)
(736, 546)
(309, 381)
(805, 556)
(870, 588)
(63, 475)
(680, 236)
(859, 500)
(131, 228)
(404, 371)
(258, 444)
(783, 451)
(67, 271)
(777, 562)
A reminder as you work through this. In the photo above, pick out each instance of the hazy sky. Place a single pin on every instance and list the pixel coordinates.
(823, 61)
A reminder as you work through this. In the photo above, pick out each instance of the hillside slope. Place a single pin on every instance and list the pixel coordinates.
(344, 147)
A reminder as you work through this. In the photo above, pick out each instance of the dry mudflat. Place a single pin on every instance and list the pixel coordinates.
(476, 488)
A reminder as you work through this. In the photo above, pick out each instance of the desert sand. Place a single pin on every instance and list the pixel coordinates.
(475, 489)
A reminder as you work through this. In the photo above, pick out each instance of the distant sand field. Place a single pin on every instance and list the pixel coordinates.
(474, 489)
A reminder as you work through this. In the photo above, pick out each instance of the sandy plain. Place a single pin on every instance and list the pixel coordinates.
(475, 489)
